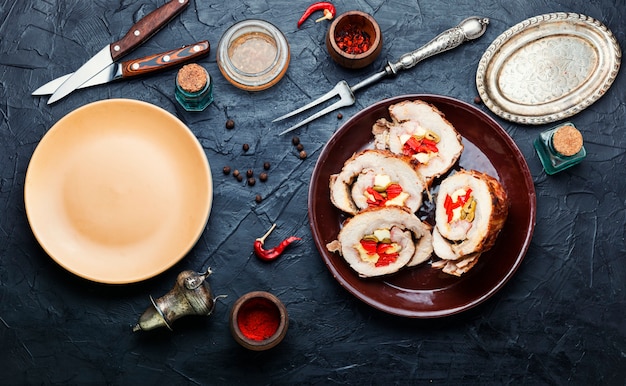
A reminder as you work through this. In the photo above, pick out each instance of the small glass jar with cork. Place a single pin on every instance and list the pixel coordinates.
(560, 148)
(194, 89)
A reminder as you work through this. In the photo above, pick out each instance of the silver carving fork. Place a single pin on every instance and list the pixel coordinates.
(469, 29)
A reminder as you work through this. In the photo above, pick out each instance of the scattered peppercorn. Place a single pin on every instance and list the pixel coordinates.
(295, 140)
(239, 177)
(300, 147)
(251, 181)
(258, 198)
(235, 173)
(266, 165)
(226, 170)
(339, 115)
(477, 100)
(230, 124)
(245, 147)
(249, 173)
(263, 177)
(302, 154)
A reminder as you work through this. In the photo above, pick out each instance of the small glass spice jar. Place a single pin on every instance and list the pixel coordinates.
(560, 148)
(194, 89)
(258, 321)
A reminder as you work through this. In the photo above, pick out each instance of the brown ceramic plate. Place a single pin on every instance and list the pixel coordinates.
(424, 292)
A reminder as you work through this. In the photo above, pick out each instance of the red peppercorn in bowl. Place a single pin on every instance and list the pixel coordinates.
(354, 39)
(258, 321)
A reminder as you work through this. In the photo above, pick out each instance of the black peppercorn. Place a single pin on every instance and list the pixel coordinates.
(302, 154)
(258, 198)
(249, 173)
(477, 100)
(263, 177)
(236, 173)
(226, 170)
(339, 115)
(266, 166)
(251, 181)
(295, 140)
(239, 177)
(245, 147)
(230, 124)
(300, 147)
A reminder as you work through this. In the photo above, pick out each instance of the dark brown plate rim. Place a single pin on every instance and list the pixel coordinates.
(424, 292)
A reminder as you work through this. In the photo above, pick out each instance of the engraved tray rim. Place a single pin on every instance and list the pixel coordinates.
(567, 104)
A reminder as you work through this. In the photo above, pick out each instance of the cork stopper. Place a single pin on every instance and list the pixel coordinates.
(192, 78)
(567, 140)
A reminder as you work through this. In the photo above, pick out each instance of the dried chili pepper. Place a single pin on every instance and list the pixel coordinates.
(271, 254)
(328, 8)
(352, 40)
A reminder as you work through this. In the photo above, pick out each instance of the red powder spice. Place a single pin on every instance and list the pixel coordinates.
(258, 319)
(352, 40)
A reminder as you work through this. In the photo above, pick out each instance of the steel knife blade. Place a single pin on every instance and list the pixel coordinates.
(136, 35)
(135, 68)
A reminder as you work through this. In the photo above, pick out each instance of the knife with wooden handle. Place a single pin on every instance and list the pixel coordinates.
(136, 35)
(135, 68)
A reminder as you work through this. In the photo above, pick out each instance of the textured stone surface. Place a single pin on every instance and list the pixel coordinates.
(559, 320)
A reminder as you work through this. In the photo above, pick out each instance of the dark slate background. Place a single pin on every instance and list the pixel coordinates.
(561, 319)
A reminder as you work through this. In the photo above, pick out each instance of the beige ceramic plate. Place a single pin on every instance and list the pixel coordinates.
(118, 191)
(548, 68)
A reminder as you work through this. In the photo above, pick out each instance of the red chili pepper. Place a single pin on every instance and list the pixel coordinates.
(271, 254)
(328, 8)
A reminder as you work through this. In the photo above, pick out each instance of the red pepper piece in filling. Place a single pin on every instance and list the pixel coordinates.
(450, 205)
(377, 248)
(386, 259)
(376, 200)
(393, 191)
(370, 246)
(413, 146)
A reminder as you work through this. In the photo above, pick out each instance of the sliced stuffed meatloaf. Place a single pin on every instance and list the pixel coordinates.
(376, 178)
(420, 131)
(381, 241)
(471, 209)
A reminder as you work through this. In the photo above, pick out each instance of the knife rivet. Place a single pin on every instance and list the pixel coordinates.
(116, 48)
(196, 48)
(135, 66)
(137, 32)
(166, 58)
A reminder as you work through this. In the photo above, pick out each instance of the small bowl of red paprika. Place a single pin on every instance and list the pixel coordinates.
(354, 39)
(258, 321)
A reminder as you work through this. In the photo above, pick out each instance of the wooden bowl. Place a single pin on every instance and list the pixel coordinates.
(255, 314)
(354, 23)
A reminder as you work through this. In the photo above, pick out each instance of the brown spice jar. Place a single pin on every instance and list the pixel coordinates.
(192, 78)
(567, 140)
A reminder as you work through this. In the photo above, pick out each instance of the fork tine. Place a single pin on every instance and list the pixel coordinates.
(334, 92)
(340, 103)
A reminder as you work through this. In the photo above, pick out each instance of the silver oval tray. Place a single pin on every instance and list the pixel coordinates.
(548, 68)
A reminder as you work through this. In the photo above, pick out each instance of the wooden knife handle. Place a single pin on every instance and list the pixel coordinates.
(146, 27)
(164, 60)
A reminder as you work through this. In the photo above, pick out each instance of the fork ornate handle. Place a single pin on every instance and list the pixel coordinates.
(469, 29)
